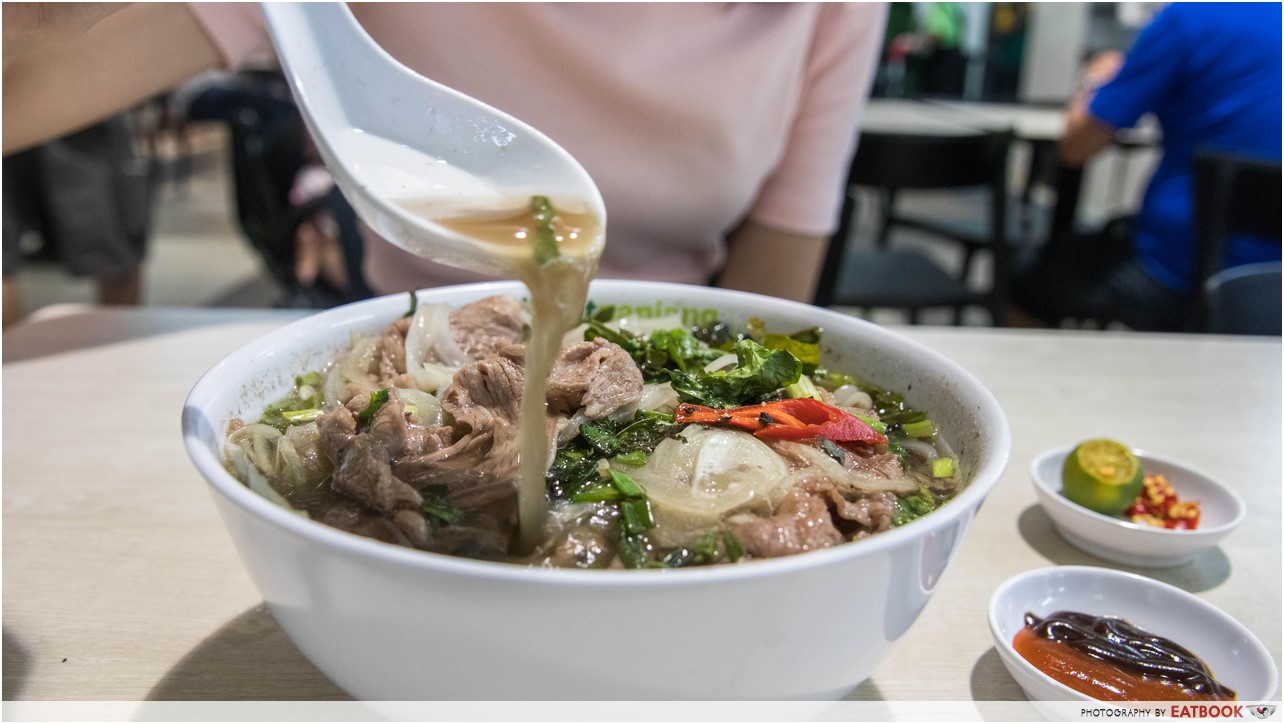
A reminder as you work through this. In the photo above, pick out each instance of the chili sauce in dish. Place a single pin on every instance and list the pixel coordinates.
(1109, 659)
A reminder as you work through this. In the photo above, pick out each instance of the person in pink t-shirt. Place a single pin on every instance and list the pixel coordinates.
(719, 134)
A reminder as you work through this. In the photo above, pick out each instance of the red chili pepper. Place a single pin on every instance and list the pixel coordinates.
(796, 419)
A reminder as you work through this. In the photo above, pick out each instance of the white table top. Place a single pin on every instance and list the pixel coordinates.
(1028, 122)
(121, 584)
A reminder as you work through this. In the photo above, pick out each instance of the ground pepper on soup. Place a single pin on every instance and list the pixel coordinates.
(669, 445)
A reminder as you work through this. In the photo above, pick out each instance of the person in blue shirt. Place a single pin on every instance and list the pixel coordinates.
(1210, 73)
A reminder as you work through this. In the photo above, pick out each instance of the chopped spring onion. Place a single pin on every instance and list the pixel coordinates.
(804, 387)
(298, 416)
(545, 236)
(308, 379)
(878, 425)
(942, 467)
(596, 494)
(635, 515)
(635, 459)
(919, 428)
(627, 486)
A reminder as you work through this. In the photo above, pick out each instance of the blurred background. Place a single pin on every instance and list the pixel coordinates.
(225, 171)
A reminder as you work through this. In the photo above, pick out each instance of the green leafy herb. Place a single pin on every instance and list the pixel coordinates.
(635, 551)
(378, 399)
(913, 507)
(414, 305)
(435, 509)
(545, 236)
(702, 553)
(735, 551)
(804, 344)
(759, 372)
(831, 449)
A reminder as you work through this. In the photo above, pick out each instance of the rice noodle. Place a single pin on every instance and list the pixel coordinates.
(925, 450)
(853, 396)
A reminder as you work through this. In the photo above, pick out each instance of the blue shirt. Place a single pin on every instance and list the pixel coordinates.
(1210, 72)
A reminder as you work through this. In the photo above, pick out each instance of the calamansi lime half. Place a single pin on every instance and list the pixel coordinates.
(1102, 475)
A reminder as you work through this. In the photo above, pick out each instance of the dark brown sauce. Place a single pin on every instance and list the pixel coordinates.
(1116, 642)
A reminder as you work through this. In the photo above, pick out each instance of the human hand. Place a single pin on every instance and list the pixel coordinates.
(318, 253)
(1101, 69)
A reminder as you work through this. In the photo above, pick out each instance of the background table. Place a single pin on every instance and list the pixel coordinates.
(121, 584)
(1114, 180)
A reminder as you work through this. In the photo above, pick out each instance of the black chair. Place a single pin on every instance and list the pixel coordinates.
(889, 278)
(1234, 195)
(269, 145)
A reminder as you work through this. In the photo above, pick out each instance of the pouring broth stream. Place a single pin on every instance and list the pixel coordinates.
(555, 252)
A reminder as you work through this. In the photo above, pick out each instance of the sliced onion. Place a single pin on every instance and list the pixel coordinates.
(709, 472)
(427, 408)
(726, 360)
(430, 376)
(250, 475)
(658, 397)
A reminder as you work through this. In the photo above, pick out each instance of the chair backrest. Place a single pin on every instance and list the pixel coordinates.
(929, 161)
(923, 161)
(1245, 299)
(265, 158)
(1234, 195)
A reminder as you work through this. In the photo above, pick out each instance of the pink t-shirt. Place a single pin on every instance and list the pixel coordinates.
(690, 117)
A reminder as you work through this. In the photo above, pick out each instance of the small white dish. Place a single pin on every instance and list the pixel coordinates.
(1235, 656)
(1122, 541)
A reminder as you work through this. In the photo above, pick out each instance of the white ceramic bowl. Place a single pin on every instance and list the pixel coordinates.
(1235, 656)
(390, 623)
(1122, 541)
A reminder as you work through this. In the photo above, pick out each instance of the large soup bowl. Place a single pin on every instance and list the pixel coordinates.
(393, 624)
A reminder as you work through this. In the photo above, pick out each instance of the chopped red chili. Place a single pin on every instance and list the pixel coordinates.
(795, 419)
(1159, 506)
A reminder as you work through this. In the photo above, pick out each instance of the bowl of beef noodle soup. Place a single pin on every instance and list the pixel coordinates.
(743, 497)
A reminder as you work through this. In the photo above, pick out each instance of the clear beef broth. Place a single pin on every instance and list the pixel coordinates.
(637, 479)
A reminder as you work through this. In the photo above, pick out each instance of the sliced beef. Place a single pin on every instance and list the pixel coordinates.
(864, 461)
(801, 523)
(488, 327)
(365, 473)
(859, 516)
(484, 393)
(599, 376)
(336, 430)
(388, 427)
(480, 463)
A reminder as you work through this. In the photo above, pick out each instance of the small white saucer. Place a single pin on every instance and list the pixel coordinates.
(1122, 541)
(1235, 656)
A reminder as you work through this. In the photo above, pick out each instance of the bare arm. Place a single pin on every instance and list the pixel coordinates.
(1085, 136)
(58, 82)
(773, 262)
